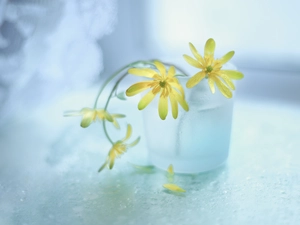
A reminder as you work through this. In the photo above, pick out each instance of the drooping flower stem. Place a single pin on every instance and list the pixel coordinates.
(107, 102)
(116, 74)
(114, 88)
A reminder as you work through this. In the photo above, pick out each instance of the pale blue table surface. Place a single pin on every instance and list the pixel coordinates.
(48, 168)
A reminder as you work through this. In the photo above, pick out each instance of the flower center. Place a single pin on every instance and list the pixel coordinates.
(162, 83)
(209, 69)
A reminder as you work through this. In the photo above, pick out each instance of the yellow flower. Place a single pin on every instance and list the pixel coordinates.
(118, 149)
(90, 115)
(163, 83)
(211, 68)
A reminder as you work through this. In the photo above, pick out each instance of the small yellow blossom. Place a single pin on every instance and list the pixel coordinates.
(163, 83)
(118, 149)
(91, 115)
(211, 69)
(173, 187)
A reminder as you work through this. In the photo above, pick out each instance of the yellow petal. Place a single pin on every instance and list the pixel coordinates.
(156, 89)
(111, 163)
(161, 68)
(138, 87)
(163, 107)
(222, 87)
(146, 100)
(209, 48)
(171, 169)
(135, 142)
(181, 101)
(178, 87)
(171, 71)
(174, 106)
(103, 166)
(227, 80)
(106, 115)
(128, 133)
(87, 118)
(116, 124)
(192, 61)
(195, 79)
(211, 84)
(86, 110)
(226, 57)
(233, 74)
(196, 54)
(118, 115)
(173, 187)
(145, 72)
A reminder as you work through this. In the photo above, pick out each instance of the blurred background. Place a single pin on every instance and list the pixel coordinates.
(54, 54)
(50, 47)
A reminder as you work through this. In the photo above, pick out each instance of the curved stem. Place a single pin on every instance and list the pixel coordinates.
(107, 102)
(114, 75)
(116, 85)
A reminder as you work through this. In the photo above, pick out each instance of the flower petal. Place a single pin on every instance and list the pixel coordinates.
(106, 115)
(135, 142)
(181, 101)
(196, 54)
(87, 118)
(156, 89)
(211, 84)
(146, 100)
(226, 57)
(209, 48)
(192, 61)
(222, 87)
(163, 107)
(128, 133)
(174, 105)
(227, 80)
(171, 71)
(144, 72)
(178, 87)
(116, 124)
(161, 68)
(138, 87)
(173, 187)
(111, 163)
(195, 79)
(233, 74)
(72, 113)
(104, 165)
(118, 115)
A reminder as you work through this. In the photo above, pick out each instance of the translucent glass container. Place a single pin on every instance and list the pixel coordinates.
(198, 140)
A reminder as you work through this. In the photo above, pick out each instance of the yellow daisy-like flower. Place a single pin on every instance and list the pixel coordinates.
(90, 115)
(211, 69)
(119, 148)
(163, 83)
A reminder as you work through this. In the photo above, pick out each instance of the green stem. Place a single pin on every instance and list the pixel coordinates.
(107, 102)
(114, 75)
(114, 88)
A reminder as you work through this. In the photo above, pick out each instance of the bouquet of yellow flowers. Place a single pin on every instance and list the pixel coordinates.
(161, 80)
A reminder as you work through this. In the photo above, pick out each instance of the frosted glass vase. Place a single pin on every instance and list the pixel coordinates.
(198, 140)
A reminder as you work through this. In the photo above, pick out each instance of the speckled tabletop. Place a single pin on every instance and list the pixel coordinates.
(48, 174)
